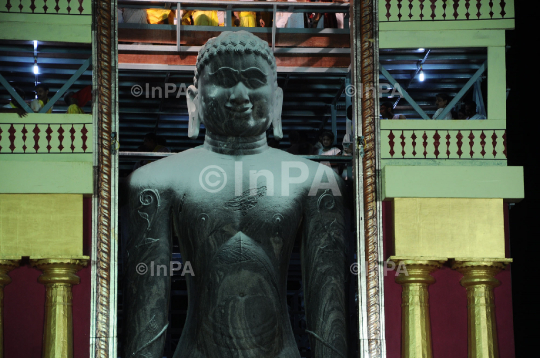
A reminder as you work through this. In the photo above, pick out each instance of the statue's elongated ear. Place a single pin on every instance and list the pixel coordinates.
(192, 97)
(276, 119)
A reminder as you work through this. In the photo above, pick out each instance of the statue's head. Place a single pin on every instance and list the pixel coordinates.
(235, 90)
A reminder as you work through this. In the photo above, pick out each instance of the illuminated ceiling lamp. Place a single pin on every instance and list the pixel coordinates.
(36, 68)
(421, 75)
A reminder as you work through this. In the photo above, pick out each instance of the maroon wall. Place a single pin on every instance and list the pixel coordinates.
(448, 307)
(24, 307)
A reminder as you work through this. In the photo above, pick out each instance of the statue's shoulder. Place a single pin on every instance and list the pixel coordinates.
(163, 173)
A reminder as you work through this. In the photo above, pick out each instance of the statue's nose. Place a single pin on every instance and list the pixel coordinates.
(239, 95)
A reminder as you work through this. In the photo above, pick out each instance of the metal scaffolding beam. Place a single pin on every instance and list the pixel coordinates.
(464, 90)
(65, 87)
(404, 93)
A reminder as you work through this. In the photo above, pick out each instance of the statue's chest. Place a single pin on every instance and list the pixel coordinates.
(211, 220)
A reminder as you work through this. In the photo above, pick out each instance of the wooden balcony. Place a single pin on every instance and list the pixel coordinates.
(59, 20)
(46, 154)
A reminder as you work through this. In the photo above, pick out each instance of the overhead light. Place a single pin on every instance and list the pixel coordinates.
(35, 44)
(36, 69)
(421, 75)
(421, 49)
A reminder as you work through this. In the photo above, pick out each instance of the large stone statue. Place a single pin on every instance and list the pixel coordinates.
(236, 206)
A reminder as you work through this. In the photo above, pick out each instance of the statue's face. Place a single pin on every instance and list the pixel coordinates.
(237, 95)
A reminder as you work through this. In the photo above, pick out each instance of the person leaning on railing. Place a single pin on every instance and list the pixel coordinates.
(442, 100)
(471, 111)
(14, 106)
(42, 92)
(387, 111)
(71, 101)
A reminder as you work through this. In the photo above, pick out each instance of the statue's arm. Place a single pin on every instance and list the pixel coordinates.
(146, 284)
(324, 272)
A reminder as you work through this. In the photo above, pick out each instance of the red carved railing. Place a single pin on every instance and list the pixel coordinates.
(431, 10)
(41, 7)
(452, 148)
(47, 138)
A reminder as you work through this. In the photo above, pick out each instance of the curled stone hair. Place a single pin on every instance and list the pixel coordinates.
(234, 42)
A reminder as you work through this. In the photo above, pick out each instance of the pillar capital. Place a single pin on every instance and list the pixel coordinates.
(480, 272)
(418, 269)
(7, 265)
(60, 270)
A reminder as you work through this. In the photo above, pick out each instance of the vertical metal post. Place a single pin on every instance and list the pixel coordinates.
(274, 7)
(478, 97)
(228, 16)
(333, 111)
(348, 99)
(178, 23)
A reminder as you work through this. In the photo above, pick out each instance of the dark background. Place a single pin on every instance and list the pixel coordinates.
(522, 125)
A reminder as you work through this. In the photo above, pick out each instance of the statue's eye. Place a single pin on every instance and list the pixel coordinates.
(254, 83)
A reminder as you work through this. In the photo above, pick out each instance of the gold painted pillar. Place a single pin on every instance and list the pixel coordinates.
(415, 321)
(479, 281)
(59, 275)
(5, 267)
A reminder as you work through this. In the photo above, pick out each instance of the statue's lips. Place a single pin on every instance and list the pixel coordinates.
(244, 110)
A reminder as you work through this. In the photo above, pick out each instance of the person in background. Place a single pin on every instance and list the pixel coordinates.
(387, 112)
(14, 106)
(160, 16)
(205, 18)
(264, 18)
(347, 143)
(245, 18)
(441, 101)
(470, 111)
(290, 20)
(327, 139)
(83, 96)
(42, 92)
(325, 20)
(71, 101)
(347, 151)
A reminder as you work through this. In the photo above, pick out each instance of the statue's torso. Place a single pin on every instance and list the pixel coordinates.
(238, 245)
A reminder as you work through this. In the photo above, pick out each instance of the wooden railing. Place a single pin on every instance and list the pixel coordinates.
(462, 140)
(444, 10)
(49, 135)
(69, 7)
